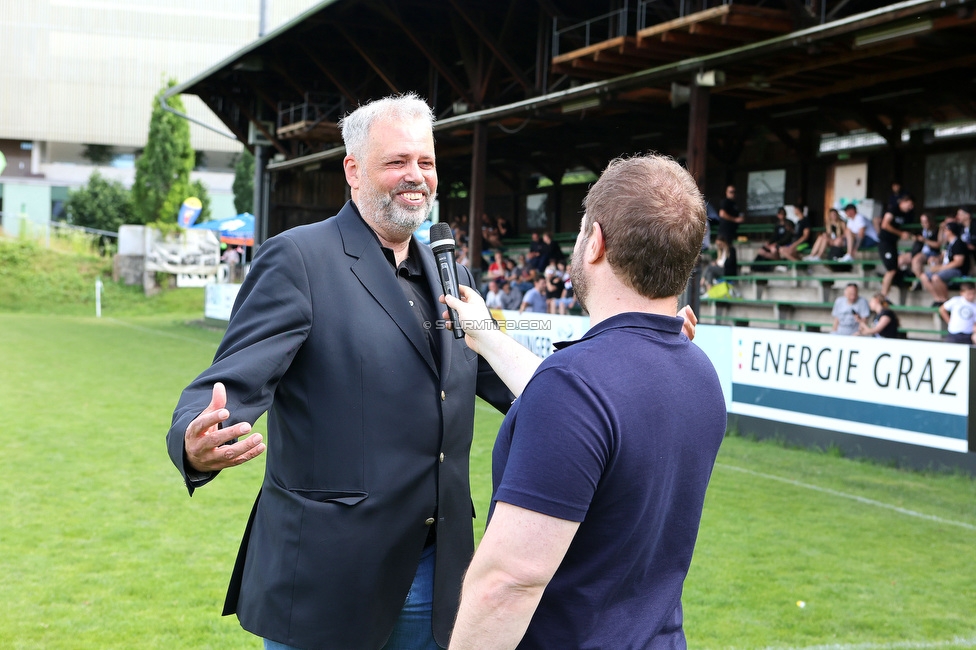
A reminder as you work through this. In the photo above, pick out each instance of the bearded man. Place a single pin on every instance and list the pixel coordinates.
(362, 528)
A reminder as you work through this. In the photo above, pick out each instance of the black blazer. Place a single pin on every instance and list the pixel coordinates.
(367, 439)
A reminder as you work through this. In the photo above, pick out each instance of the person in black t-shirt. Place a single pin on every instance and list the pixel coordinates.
(892, 230)
(782, 236)
(955, 264)
(730, 216)
(885, 321)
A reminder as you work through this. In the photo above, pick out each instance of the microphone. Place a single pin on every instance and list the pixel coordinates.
(442, 244)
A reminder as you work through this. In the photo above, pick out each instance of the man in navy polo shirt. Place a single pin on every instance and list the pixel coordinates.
(599, 469)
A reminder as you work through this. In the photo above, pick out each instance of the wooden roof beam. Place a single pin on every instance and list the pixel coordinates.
(369, 61)
(866, 81)
(439, 65)
(350, 96)
(497, 50)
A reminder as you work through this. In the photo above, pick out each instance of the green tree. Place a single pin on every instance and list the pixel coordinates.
(102, 204)
(199, 190)
(244, 183)
(162, 180)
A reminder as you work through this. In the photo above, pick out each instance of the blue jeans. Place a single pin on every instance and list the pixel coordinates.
(413, 628)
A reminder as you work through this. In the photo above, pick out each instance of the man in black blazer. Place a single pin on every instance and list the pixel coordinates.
(370, 408)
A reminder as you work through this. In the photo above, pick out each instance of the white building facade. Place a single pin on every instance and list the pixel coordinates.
(84, 72)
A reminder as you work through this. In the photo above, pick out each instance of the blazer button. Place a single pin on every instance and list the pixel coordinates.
(442, 456)
(429, 522)
(443, 396)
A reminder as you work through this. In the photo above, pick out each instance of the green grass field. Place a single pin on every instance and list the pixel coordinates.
(101, 548)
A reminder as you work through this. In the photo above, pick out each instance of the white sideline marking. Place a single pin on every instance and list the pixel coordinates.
(854, 497)
(149, 330)
(954, 643)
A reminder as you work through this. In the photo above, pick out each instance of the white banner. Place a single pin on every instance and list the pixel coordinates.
(909, 391)
(219, 300)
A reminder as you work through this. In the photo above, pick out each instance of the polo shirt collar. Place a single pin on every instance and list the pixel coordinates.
(670, 325)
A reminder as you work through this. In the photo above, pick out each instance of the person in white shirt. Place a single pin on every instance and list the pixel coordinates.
(860, 233)
(494, 296)
(959, 312)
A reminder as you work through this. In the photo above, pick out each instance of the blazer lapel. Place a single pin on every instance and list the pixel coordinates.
(373, 271)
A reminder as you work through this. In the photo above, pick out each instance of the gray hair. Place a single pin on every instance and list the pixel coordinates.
(356, 125)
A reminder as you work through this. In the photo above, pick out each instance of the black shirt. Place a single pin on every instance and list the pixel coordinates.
(726, 227)
(898, 220)
(416, 291)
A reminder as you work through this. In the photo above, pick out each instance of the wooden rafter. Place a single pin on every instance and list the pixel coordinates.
(865, 81)
(369, 61)
(495, 48)
(350, 96)
(439, 65)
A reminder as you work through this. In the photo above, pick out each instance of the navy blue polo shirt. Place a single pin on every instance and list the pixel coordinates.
(618, 430)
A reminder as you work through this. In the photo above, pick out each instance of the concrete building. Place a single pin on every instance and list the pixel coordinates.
(84, 72)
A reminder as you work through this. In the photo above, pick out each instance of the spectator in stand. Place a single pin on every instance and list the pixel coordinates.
(555, 282)
(511, 297)
(831, 243)
(860, 233)
(489, 235)
(924, 248)
(892, 231)
(493, 299)
(730, 216)
(722, 266)
(782, 236)
(955, 263)
(964, 217)
(885, 320)
(538, 255)
(848, 310)
(801, 238)
(503, 227)
(897, 192)
(568, 300)
(497, 268)
(556, 253)
(535, 298)
(959, 313)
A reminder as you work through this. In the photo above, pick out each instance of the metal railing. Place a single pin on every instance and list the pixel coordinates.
(583, 34)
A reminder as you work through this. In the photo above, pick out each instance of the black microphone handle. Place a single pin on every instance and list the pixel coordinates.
(449, 284)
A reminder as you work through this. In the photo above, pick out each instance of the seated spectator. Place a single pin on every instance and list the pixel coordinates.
(534, 299)
(554, 286)
(511, 296)
(568, 300)
(831, 243)
(538, 256)
(722, 266)
(860, 233)
(782, 236)
(848, 311)
(924, 248)
(959, 313)
(801, 237)
(489, 235)
(885, 320)
(497, 268)
(493, 299)
(503, 227)
(955, 263)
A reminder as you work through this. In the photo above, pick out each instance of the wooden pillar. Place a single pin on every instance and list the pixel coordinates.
(696, 156)
(476, 196)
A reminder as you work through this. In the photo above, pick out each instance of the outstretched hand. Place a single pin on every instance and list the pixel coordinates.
(205, 442)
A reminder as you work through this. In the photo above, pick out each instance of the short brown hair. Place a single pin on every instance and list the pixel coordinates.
(653, 219)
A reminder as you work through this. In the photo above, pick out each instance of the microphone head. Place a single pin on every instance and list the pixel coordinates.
(441, 237)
